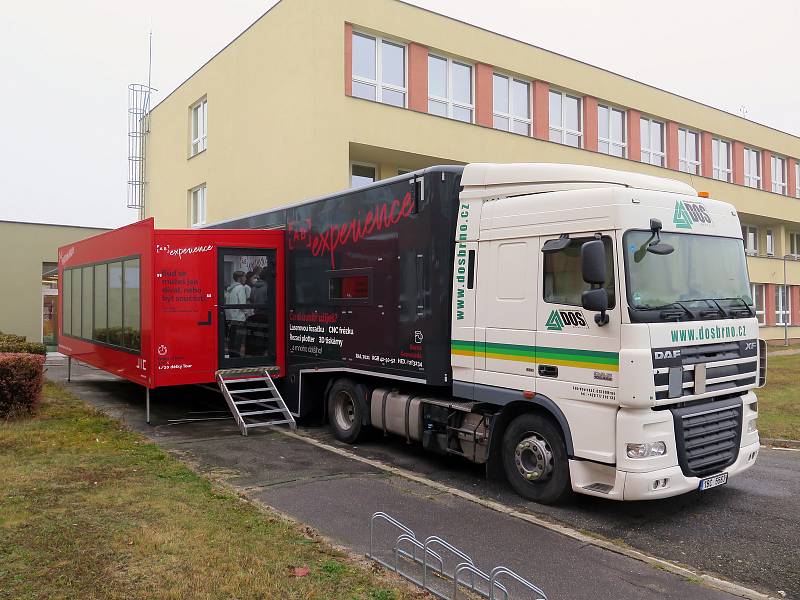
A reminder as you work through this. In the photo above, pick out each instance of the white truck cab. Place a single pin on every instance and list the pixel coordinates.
(618, 303)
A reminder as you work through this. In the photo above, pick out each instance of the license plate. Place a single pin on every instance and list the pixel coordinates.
(713, 481)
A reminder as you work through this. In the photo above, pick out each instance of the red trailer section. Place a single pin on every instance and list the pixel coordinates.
(171, 307)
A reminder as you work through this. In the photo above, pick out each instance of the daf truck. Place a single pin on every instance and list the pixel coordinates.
(574, 329)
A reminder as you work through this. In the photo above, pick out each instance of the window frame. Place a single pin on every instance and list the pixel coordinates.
(198, 140)
(761, 315)
(683, 161)
(746, 230)
(611, 246)
(782, 186)
(612, 143)
(358, 163)
(108, 262)
(193, 220)
(649, 150)
(342, 273)
(510, 116)
(715, 167)
(797, 178)
(783, 309)
(794, 243)
(563, 130)
(769, 240)
(449, 102)
(748, 177)
(377, 82)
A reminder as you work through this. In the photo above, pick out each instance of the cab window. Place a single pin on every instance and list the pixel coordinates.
(563, 282)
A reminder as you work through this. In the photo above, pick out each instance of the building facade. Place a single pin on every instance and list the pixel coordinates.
(28, 267)
(315, 97)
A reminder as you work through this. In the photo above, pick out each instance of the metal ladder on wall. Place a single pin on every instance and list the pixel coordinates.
(253, 398)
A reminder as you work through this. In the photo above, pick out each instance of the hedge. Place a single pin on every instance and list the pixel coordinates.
(21, 378)
(21, 347)
(11, 337)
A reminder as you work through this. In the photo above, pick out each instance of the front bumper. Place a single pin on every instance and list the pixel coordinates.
(650, 485)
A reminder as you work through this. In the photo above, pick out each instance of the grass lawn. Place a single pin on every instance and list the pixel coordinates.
(779, 400)
(91, 510)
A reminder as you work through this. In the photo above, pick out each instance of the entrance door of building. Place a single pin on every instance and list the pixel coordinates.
(246, 292)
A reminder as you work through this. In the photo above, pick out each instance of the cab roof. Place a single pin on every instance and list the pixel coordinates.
(572, 176)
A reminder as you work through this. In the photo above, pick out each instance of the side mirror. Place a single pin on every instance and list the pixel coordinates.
(596, 300)
(593, 262)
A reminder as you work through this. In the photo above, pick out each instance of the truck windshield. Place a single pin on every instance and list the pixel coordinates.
(705, 277)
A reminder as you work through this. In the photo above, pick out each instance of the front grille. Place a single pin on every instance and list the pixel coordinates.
(729, 366)
(707, 436)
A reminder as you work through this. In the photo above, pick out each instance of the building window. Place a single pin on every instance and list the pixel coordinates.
(197, 206)
(611, 135)
(757, 291)
(566, 125)
(450, 89)
(652, 142)
(512, 104)
(689, 151)
(721, 159)
(779, 175)
(782, 310)
(750, 238)
(770, 243)
(379, 70)
(199, 126)
(797, 179)
(752, 168)
(794, 244)
(362, 174)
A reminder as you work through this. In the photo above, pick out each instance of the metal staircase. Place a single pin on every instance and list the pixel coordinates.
(253, 398)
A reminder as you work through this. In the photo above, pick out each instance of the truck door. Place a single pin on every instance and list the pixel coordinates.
(577, 360)
(506, 312)
(246, 307)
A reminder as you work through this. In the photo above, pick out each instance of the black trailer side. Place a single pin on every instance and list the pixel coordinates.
(369, 279)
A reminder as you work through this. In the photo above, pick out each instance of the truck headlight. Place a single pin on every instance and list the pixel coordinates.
(752, 426)
(646, 449)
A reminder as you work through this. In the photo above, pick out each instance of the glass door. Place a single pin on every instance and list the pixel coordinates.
(246, 305)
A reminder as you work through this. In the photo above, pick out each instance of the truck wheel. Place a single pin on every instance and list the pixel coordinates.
(347, 406)
(535, 459)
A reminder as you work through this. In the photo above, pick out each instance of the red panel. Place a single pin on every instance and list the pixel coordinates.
(179, 300)
(706, 154)
(417, 77)
(348, 59)
(769, 303)
(766, 170)
(590, 123)
(483, 94)
(791, 180)
(737, 161)
(672, 145)
(541, 110)
(634, 135)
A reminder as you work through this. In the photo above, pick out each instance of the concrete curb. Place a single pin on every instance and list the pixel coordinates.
(779, 443)
(659, 563)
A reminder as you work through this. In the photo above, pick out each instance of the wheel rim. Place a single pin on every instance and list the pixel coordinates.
(344, 410)
(534, 458)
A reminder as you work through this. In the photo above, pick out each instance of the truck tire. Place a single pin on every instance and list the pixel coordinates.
(535, 459)
(347, 409)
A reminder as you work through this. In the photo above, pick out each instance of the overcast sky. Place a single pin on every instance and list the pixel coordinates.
(65, 67)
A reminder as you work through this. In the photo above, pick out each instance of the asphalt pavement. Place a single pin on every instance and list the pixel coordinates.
(746, 532)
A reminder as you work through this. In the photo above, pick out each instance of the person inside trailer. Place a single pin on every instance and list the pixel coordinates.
(235, 317)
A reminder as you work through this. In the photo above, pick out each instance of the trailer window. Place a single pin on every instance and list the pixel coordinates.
(66, 302)
(100, 331)
(115, 303)
(563, 282)
(130, 304)
(76, 302)
(349, 287)
(87, 302)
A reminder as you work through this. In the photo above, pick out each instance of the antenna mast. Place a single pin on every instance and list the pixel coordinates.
(138, 128)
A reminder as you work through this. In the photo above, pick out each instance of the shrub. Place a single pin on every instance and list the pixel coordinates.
(11, 337)
(22, 347)
(21, 378)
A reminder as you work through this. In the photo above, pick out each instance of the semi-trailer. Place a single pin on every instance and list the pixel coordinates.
(572, 328)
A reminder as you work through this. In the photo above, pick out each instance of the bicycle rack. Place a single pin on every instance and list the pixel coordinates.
(422, 555)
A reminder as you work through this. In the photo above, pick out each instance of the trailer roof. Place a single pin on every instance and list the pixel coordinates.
(490, 174)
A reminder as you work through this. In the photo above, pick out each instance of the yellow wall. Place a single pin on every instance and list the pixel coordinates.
(281, 129)
(23, 248)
